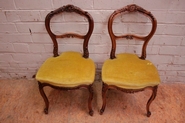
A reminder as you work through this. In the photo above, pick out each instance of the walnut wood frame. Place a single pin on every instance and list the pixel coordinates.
(130, 8)
(69, 9)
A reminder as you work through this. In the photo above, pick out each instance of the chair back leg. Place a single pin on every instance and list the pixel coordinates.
(44, 97)
(90, 88)
(104, 91)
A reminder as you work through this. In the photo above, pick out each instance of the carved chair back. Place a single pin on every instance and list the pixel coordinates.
(131, 8)
(69, 9)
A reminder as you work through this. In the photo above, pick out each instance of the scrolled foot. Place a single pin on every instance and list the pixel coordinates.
(46, 111)
(101, 111)
(148, 114)
(91, 113)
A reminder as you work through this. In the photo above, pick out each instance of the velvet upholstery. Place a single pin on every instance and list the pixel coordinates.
(69, 69)
(129, 72)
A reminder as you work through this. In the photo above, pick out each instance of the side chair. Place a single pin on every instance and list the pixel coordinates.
(128, 72)
(69, 70)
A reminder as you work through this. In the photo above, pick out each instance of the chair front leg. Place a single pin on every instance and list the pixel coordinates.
(90, 88)
(104, 91)
(154, 93)
(44, 97)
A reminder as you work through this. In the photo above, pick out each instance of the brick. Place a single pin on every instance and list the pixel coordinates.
(97, 15)
(4, 75)
(179, 60)
(36, 48)
(8, 28)
(171, 50)
(72, 17)
(3, 63)
(6, 58)
(12, 38)
(167, 50)
(99, 39)
(34, 4)
(183, 41)
(177, 5)
(25, 65)
(161, 73)
(41, 38)
(26, 58)
(157, 5)
(110, 5)
(174, 29)
(29, 16)
(171, 17)
(161, 67)
(43, 14)
(100, 28)
(99, 49)
(160, 59)
(163, 78)
(175, 67)
(31, 27)
(152, 50)
(21, 48)
(12, 16)
(70, 47)
(181, 73)
(175, 79)
(171, 73)
(59, 28)
(99, 58)
(2, 17)
(6, 47)
(14, 65)
(8, 4)
(133, 18)
(167, 40)
(48, 48)
(83, 4)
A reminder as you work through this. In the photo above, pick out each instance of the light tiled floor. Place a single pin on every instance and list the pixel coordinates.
(20, 102)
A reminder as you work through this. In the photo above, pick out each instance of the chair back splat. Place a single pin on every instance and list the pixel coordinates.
(131, 8)
(70, 8)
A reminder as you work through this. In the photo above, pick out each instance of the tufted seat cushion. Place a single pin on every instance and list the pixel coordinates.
(129, 72)
(69, 69)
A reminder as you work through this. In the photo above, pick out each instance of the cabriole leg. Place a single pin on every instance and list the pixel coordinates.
(154, 93)
(90, 88)
(44, 97)
(104, 91)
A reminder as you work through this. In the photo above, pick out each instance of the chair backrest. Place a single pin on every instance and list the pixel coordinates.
(131, 8)
(70, 9)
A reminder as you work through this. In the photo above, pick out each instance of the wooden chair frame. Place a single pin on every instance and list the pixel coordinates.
(69, 9)
(146, 39)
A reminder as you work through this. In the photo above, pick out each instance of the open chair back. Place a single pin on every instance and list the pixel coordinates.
(70, 8)
(131, 8)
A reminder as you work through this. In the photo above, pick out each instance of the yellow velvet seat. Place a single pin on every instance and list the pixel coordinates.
(69, 69)
(129, 72)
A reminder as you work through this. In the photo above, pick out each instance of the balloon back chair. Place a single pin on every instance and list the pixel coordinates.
(126, 71)
(69, 70)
